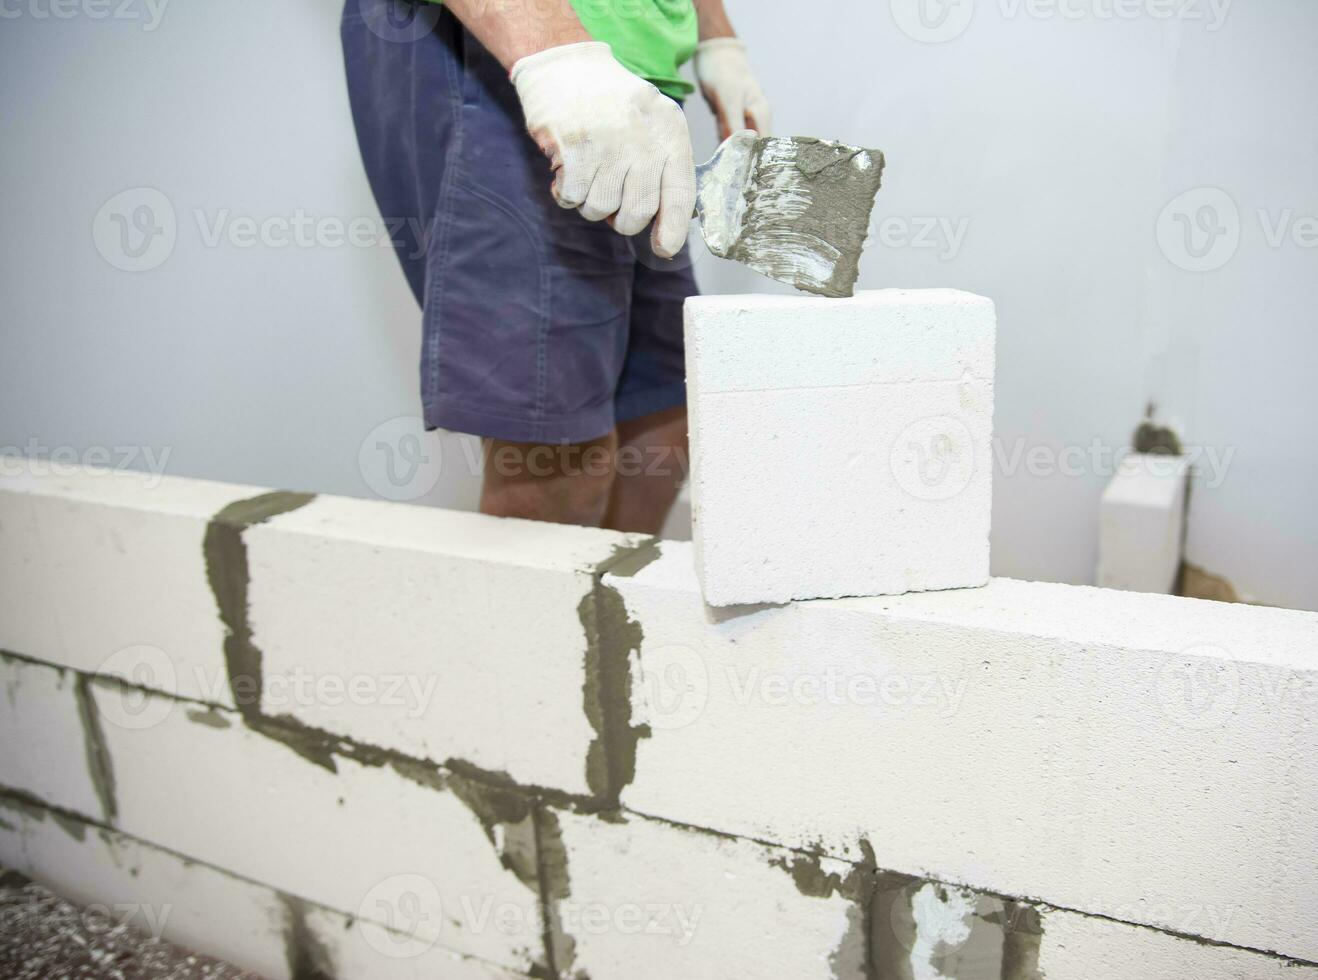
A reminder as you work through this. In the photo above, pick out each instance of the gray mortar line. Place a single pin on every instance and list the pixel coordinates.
(224, 542)
(1036, 903)
(612, 635)
(99, 765)
(307, 957)
(121, 682)
(225, 556)
(547, 908)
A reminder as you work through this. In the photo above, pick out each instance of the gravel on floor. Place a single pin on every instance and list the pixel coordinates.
(43, 937)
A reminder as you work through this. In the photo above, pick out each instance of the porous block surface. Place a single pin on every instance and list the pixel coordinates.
(840, 447)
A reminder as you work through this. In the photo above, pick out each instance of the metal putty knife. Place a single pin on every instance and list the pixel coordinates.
(795, 209)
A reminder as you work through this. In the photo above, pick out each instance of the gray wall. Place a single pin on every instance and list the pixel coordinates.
(1037, 158)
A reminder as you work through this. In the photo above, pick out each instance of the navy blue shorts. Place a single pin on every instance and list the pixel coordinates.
(538, 326)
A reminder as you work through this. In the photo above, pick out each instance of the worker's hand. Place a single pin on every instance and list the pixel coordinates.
(730, 87)
(619, 147)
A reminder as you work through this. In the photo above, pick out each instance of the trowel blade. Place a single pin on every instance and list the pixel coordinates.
(795, 209)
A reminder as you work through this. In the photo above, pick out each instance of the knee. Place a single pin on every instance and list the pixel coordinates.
(565, 484)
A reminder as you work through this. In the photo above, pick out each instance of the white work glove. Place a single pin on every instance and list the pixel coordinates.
(730, 88)
(620, 148)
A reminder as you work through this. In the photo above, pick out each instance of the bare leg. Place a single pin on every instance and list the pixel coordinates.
(651, 465)
(565, 484)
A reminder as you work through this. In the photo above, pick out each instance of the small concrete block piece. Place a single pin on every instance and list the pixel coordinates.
(840, 447)
(1141, 524)
(103, 571)
(48, 753)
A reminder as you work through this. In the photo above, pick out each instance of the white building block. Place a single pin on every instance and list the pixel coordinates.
(364, 840)
(655, 900)
(1141, 522)
(1110, 752)
(153, 891)
(840, 447)
(652, 900)
(209, 911)
(47, 753)
(103, 571)
(1078, 947)
(435, 633)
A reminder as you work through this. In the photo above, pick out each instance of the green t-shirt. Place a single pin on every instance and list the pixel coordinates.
(652, 38)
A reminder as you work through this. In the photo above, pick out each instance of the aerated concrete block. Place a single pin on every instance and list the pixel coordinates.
(1114, 753)
(652, 900)
(103, 572)
(1141, 524)
(122, 880)
(435, 633)
(49, 738)
(840, 447)
(368, 838)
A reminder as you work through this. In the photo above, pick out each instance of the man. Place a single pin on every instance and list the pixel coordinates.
(552, 320)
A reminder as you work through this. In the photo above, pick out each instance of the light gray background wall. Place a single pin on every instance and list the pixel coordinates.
(1053, 156)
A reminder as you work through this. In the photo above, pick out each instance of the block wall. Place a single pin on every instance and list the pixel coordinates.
(318, 736)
